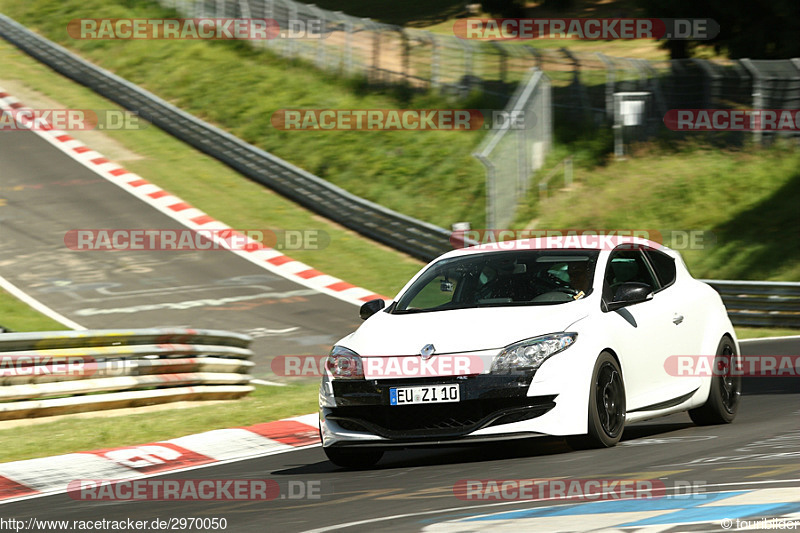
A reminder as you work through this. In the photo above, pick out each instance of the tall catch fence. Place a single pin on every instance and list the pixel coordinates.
(631, 96)
(516, 149)
(583, 83)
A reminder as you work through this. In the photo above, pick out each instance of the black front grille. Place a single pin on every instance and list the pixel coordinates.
(439, 420)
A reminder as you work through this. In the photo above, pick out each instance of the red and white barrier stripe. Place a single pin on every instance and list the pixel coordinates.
(193, 218)
(52, 475)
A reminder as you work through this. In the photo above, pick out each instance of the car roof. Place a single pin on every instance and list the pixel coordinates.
(565, 242)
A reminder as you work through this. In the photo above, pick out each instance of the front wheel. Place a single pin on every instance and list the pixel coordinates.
(606, 406)
(725, 392)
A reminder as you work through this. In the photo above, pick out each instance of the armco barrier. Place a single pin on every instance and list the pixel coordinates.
(760, 303)
(414, 237)
(59, 372)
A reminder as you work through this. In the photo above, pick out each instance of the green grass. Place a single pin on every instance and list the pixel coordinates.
(17, 316)
(759, 333)
(77, 434)
(745, 201)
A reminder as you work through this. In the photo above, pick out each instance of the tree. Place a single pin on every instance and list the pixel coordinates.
(504, 8)
(761, 29)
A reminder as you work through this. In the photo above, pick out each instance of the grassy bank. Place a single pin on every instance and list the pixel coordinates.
(17, 316)
(107, 429)
(743, 202)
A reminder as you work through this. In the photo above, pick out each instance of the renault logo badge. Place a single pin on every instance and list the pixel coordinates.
(427, 351)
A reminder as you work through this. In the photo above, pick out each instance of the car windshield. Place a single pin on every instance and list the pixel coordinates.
(499, 279)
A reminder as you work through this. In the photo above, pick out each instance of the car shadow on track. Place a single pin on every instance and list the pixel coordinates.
(457, 454)
(477, 453)
(770, 385)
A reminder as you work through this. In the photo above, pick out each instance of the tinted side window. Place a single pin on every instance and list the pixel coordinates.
(625, 266)
(664, 266)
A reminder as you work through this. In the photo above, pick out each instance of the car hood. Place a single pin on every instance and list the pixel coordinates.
(460, 330)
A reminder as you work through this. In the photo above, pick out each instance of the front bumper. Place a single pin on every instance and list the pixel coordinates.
(362, 411)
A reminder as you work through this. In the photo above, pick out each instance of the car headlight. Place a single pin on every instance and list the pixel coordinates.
(344, 363)
(531, 353)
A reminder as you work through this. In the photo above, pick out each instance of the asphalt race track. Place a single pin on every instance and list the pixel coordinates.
(760, 450)
(47, 194)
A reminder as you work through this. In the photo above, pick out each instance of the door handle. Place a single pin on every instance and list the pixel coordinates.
(677, 319)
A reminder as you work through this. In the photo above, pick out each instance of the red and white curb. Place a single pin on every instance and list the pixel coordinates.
(172, 206)
(52, 475)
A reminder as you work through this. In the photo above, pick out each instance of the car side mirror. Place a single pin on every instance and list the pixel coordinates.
(630, 293)
(370, 308)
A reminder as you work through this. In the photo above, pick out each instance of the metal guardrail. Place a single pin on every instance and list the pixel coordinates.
(417, 238)
(760, 303)
(59, 372)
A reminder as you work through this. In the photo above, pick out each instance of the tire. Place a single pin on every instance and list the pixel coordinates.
(724, 395)
(606, 406)
(354, 457)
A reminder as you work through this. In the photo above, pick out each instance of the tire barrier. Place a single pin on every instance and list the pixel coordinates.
(60, 372)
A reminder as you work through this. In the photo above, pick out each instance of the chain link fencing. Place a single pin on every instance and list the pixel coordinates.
(512, 152)
(583, 83)
(631, 96)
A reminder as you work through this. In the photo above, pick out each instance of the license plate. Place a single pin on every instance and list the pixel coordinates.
(426, 394)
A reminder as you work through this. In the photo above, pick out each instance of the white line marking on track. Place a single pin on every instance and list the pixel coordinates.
(769, 338)
(265, 382)
(501, 504)
(37, 305)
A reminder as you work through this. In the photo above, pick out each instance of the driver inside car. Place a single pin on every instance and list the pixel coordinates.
(578, 276)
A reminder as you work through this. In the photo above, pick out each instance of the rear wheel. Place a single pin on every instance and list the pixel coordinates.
(606, 406)
(353, 457)
(726, 390)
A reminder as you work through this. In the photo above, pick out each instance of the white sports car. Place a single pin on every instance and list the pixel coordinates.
(547, 336)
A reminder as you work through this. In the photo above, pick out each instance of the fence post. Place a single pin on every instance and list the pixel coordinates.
(406, 55)
(611, 78)
(347, 59)
(467, 48)
(376, 54)
(503, 63)
(290, 44)
(660, 102)
(435, 62)
(490, 189)
(758, 94)
(576, 82)
(244, 6)
(269, 13)
(709, 80)
(568, 172)
(320, 14)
